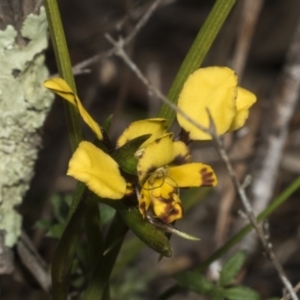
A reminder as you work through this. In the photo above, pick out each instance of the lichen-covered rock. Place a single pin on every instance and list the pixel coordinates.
(24, 105)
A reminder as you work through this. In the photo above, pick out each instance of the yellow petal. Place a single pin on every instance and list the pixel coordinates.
(175, 214)
(214, 88)
(98, 171)
(163, 187)
(61, 88)
(244, 101)
(155, 126)
(192, 175)
(161, 193)
(162, 152)
(168, 210)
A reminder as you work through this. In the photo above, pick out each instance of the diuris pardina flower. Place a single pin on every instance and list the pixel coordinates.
(215, 89)
(163, 164)
(91, 165)
(164, 167)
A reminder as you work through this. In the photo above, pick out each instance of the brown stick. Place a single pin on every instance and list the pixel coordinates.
(80, 67)
(275, 126)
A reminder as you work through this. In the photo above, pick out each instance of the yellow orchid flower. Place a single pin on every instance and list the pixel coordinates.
(91, 165)
(216, 89)
(163, 168)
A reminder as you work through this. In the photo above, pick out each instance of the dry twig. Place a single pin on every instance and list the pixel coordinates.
(33, 262)
(151, 89)
(296, 289)
(251, 217)
(80, 68)
(248, 19)
(267, 162)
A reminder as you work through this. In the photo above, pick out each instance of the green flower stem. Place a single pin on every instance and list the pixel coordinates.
(64, 254)
(197, 53)
(295, 185)
(130, 250)
(95, 243)
(98, 285)
(64, 68)
(66, 248)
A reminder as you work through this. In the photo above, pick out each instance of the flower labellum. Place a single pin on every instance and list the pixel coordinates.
(163, 168)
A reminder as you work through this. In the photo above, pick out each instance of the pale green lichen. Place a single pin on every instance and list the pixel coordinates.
(24, 105)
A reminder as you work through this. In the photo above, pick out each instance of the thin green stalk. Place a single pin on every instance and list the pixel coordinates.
(95, 243)
(197, 53)
(66, 248)
(96, 289)
(295, 185)
(64, 254)
(64, 68)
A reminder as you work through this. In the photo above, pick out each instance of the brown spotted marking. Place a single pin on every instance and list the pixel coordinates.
(173, 212)
(207, 177)
(168, 209)
(151, 169)
(184, 136)
(166, 200)
(157, 141)
(180, 159)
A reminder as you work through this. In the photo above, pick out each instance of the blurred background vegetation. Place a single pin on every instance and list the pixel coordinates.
(111, 88)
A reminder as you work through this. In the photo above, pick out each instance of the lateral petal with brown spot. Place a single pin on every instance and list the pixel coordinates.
(193, 175)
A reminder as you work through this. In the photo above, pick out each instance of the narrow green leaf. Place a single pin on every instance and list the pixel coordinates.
(97, 286)
(56, 231)
(195, 281)
(106, 124)
(130, 249)
(95, 243)
(197, 53)
(43, 224)
(106, 214)
(66, 248)
(218, 293)
(60, 208)
(241, 293)
(232, 267)
(64, 68)
(149, 234)
(124, 155)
